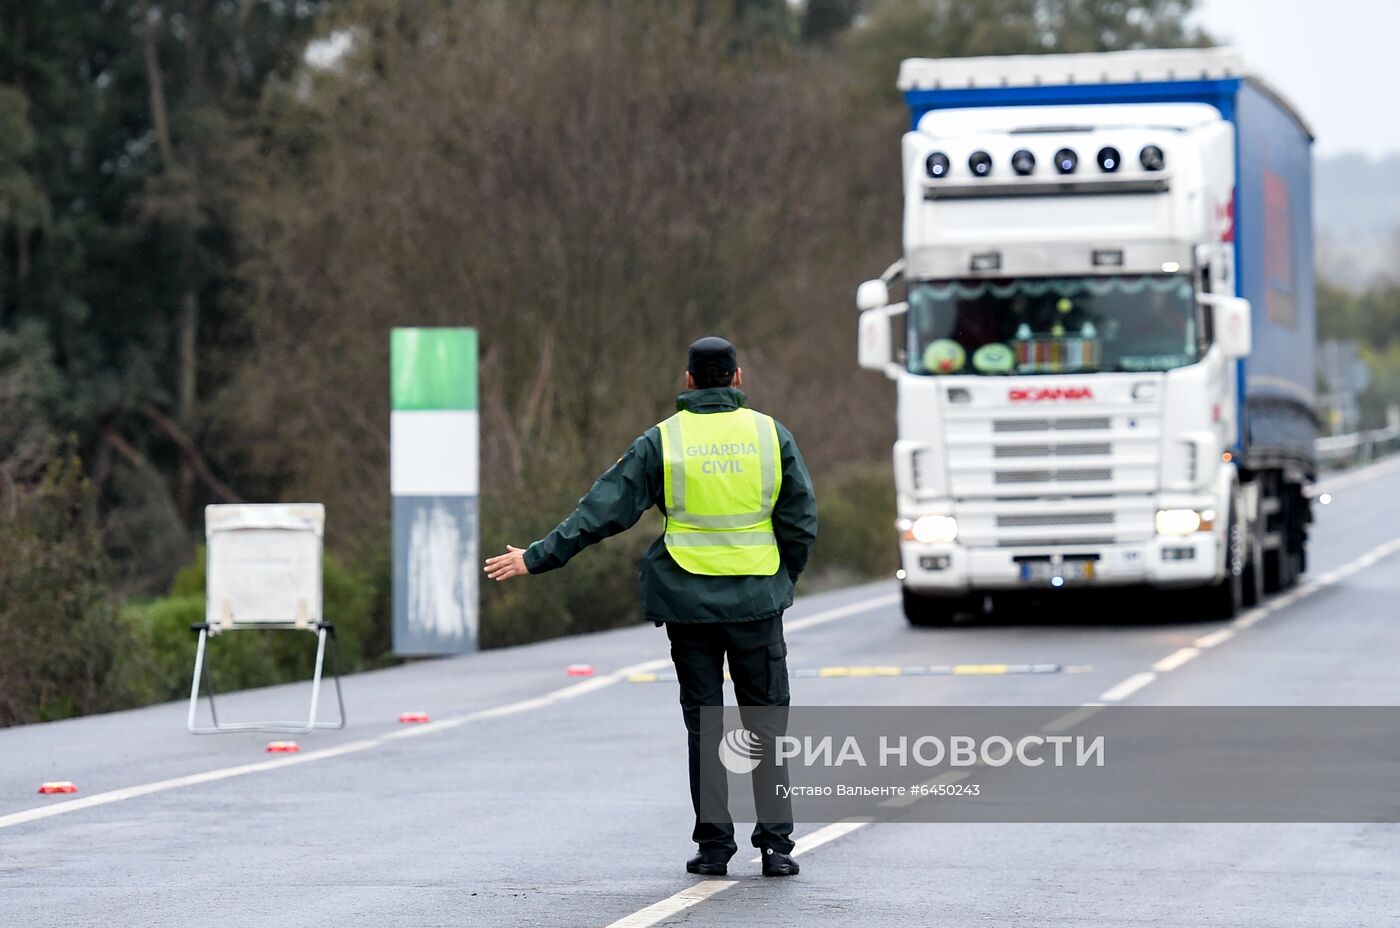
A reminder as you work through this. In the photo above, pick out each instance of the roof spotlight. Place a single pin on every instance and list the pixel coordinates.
(1066, 161)
(1152, 158)
(937, 164)
(980, 162)
(1023, 162)
(1109, 159)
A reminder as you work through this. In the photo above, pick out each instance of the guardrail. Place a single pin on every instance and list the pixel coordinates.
(1357, 447)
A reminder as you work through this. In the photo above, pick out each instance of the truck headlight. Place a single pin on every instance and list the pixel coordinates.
(1183, 521)
(934, 530)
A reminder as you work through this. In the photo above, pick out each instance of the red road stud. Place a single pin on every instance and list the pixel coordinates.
(57, 786)
(413, 717)
(579, 670)
(283, 747)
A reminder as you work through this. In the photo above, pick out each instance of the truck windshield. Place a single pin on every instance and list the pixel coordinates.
(1052, 325)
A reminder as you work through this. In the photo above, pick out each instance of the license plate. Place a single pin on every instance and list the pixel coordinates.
(1044, 571)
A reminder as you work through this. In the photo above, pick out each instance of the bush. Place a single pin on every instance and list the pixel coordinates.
(598, 590)
(855, 538)
(59, 634)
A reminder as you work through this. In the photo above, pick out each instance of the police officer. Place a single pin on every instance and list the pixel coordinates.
(741, 518)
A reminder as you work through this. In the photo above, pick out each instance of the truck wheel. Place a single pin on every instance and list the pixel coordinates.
(1254, 566)
(1224, 599)
(931, 611)
(1278, 572)
(1283, 564)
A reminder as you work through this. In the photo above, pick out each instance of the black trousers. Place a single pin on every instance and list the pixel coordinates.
(757, 658)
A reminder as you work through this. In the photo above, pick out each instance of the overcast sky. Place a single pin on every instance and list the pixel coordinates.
(1335, 60)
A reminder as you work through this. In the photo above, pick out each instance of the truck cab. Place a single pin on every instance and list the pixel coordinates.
(1076, 336)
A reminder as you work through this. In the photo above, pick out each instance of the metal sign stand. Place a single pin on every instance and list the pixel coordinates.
(264, 573)
(323, 631)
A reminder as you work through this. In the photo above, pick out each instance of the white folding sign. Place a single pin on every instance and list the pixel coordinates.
(263, 571)
(264, 564)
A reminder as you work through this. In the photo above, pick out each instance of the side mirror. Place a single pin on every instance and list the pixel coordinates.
(872, 294)
(876, 344)
(1233, 327)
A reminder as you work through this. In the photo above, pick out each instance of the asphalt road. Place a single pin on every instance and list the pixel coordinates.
(536, 799)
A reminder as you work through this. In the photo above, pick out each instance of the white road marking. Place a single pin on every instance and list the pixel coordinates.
(1257, 613)
(840, 612)
(1176, 659)
(1251, 618)
(571, 691)
(824, 835)
(194, 779)
(1128, 687)
(1219, 636)
(660, 911)
(1071, 718)
(354, 747)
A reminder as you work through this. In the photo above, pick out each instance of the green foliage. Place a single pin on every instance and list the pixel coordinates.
(1370, 317)
(22, 203)
(59, 635)
(856, 539)
(120, 132)
(598, 589)
(1383, 392)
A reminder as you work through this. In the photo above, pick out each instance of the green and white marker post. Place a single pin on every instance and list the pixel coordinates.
(433, 465)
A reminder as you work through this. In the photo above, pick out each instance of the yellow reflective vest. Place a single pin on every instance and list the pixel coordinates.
(721, 474)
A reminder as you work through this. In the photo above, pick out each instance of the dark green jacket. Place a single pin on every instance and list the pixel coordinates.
(669, 594)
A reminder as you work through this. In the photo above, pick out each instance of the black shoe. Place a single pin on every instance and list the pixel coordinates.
(708, 864)
(776, 863)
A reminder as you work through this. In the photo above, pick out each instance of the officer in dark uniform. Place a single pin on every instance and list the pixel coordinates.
(741, 517)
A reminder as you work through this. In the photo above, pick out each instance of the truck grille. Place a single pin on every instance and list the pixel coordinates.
(1058, 424)
(1050, 451)
(1067, 475)
(1034, 478)
(1055, 542)
(1028, 520)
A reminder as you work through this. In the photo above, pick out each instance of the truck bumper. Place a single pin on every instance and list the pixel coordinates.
(1194, 560)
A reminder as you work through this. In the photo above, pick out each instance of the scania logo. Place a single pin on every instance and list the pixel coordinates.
(1037, 394)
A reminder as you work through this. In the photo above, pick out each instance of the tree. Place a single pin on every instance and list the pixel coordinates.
(59, 638)
(23, 210)
(824, 20)
(115, 212)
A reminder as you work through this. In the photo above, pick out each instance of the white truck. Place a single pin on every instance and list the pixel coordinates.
(1105, 365)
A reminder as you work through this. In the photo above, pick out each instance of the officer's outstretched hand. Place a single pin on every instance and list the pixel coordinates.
(505, 566)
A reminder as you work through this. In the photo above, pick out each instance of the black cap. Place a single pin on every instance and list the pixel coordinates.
(712, 354)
